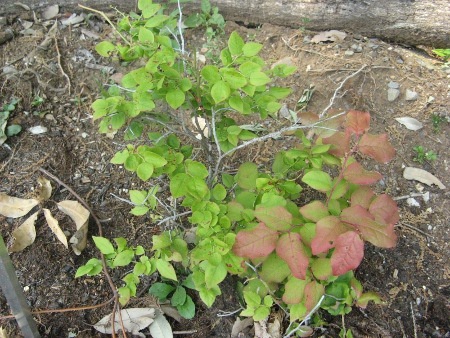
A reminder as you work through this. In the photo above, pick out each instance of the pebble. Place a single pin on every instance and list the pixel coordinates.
(307, 40)
(400, 61)
(372, 45)
(393, 85)
(84, 135)
(357, 48)
(411, 95)
(393, 94)
(349, 52)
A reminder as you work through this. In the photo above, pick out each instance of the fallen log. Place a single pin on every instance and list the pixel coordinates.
(412, 22)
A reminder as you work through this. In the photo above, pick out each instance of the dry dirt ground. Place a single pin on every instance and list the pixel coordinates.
(413, 278)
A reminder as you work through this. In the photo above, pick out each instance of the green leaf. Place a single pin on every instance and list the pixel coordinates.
(152, 158)
(233, 78)
(275, 217)
(166, 269)
(124, 295)
(235, 44)
(156, 20)
(247, 175)
(219, 192)
(139, 210)
(196, 169)
(146, 35)
(252, 299)
(144, 171)
(206, 7)
(13, 129)
(104, 48)
(208, 296)
(175, 97)
(251, 48)
(104, 245)
(227, 180)
(132, 162)
(179, 296)
(220, 91)
(123, 258)
(161, 290)
(178, 185)
(247, 68)
(225, 57)
(211, 74)
(261, 313)
(187, 309)
(259, 79)
(148, 8)
(214, 274)
(318, 180)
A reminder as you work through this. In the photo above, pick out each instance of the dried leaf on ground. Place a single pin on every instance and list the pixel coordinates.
(160, 328)
(25, 234)
(78, 213)
(241, 326)
(332, 36)
(134, 320)
(410, 123)
(45, 189)
(54, 226)
(16, 207)
(3, 333)
(171, 312)
(261, 329)
(423, 176)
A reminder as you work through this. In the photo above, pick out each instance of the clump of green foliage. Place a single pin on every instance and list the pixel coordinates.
(443, 53)
(257, 223)
(11, 130)
(423, 155)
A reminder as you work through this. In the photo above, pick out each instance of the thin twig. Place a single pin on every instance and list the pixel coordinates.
(339, 88)
(416, 229)
(414, 320)
(58, 56)
(100, 231)
(174, 217)
(415, 194)
(184, 332)
(306, 319)
(107, 20)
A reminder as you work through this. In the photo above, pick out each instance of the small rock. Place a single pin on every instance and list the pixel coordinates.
(393, 85)
(85, 179)
(412, 202)
(349, 52)
(289, 61)
(411, 95)
(307, 40)
(84, 135)
(372, 45)
(357, 48)
(393, 94)
(400, 61)
(49, 117)
(38, 130)
(50, 12)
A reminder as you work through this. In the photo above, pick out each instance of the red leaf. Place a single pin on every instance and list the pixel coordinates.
(312, 294)
(378, 234)
(327, 230)
(377, 147)
(257, 242)
(276, 217)
(358, 122)
(340, 143)
(308, 118)
(314, 211)
(348, 253)
(384, 209)
(362, 196)
(291, 249)
(355, 173)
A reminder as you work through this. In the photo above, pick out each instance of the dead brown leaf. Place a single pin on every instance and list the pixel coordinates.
(44, 190)
(16, 207)
(54, 226)
(25, 234)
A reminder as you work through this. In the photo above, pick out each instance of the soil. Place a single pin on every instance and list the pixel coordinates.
(412, 278)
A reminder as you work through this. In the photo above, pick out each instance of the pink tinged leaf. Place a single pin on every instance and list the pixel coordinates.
(362, 196)
(314, 211)
(377, 147)
(327, 230)
(312, 294)
(291, 249)
(378, 234)
(355, 173)
(348, 253)
(384, 209)
(340, 143)
(277, 217)
(257, 242)
(358, 122)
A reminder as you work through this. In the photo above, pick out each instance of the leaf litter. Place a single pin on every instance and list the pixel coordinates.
(25, 234)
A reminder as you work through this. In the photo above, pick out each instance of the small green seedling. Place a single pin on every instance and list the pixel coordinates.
(209, 18)
(12, 129)
(422, 155)
(437, 121)
(443, 53)
(37, 101)
(177, 295)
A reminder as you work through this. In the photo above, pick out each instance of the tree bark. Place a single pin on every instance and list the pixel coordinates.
(411, 22)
